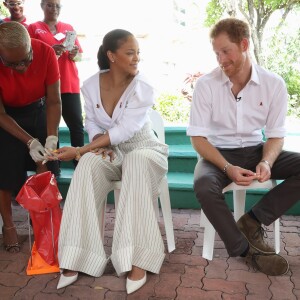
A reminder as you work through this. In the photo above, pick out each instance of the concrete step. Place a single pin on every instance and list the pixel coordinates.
(174, 135)
(181, 191)
(176, 180)
(177, 136)
(180, 187)
(182, 160)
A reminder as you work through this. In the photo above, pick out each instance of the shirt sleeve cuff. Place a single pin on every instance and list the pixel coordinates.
(197, 131)
(275, 133)
(114, 136)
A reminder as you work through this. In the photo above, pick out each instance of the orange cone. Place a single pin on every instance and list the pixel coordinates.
(36, 265)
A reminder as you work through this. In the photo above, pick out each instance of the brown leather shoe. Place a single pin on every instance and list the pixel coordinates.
(255, 234)
(270, 264)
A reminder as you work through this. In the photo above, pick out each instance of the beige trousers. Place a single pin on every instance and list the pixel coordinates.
(140, 163)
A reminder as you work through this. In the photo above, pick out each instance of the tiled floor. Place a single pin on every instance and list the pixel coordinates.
(184, 274)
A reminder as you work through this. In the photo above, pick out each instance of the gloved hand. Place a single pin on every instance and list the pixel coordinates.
(36, 150)
(51, 142)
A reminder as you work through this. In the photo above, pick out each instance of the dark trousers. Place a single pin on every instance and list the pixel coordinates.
(209, 182)
(72, 114)
(15, 160)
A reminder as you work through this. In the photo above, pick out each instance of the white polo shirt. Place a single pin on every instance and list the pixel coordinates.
(228, 122)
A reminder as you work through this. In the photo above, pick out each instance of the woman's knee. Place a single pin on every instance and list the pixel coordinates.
(89, 161)
(137, 156)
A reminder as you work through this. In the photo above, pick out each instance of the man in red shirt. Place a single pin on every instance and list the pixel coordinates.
(30, 111)
(15, 8)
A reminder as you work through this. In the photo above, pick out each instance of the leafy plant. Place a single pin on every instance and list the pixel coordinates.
(189, 84)
(174, 108)
(294, 106)
(3, 10)
(276, 48)
(286, 63)
(257, 14)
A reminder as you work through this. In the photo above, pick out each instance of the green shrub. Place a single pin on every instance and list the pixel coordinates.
(292, 80)
(294, 106)
(282, 57)
(173, 108)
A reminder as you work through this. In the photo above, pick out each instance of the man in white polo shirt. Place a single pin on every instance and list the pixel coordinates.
(231, 106)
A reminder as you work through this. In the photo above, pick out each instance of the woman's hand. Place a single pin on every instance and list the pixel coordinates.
(59, 49)
(105, 152)
(64, 154)
(97, 136)
(69, 153)
(73, 53)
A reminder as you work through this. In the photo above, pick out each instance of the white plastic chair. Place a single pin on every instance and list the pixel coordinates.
(158, 128)
(239, 197)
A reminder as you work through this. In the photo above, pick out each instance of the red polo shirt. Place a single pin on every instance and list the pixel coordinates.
(20, 89)
(22, 22)
(69, 79)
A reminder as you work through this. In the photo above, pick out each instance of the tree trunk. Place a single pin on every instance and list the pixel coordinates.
(257, 47)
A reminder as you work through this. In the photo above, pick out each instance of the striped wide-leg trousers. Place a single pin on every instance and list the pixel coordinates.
(140, 163)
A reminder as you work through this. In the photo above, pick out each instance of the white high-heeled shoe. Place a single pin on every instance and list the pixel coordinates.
(66, 280)
(134, 285)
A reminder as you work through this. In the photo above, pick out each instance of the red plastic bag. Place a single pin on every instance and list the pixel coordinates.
(39, 193)
(41, 197)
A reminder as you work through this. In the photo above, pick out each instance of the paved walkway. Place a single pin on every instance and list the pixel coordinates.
(184, 274)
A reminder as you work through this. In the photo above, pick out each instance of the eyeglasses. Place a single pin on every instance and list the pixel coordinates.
(21, 64)
(50, 6)
(13, 4)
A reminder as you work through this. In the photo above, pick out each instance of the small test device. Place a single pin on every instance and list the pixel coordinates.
(69, 42)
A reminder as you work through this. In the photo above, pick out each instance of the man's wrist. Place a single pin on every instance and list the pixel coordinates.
(266, 162)
(227, 165)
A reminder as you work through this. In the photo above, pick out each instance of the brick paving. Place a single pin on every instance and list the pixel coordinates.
(184, 274)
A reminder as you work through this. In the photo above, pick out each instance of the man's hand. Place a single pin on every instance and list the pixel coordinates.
(36, 150)
(241, 176)
(51, 142)
(263, 171)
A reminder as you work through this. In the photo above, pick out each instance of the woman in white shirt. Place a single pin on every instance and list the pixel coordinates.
(117, 102)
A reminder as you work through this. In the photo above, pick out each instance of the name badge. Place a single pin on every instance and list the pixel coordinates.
(59, 36)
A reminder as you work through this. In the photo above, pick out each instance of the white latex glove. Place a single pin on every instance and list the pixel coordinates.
(36, 150)
(51, 142)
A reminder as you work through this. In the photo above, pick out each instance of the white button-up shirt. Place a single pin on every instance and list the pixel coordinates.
(129, 115)
(229, 122)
